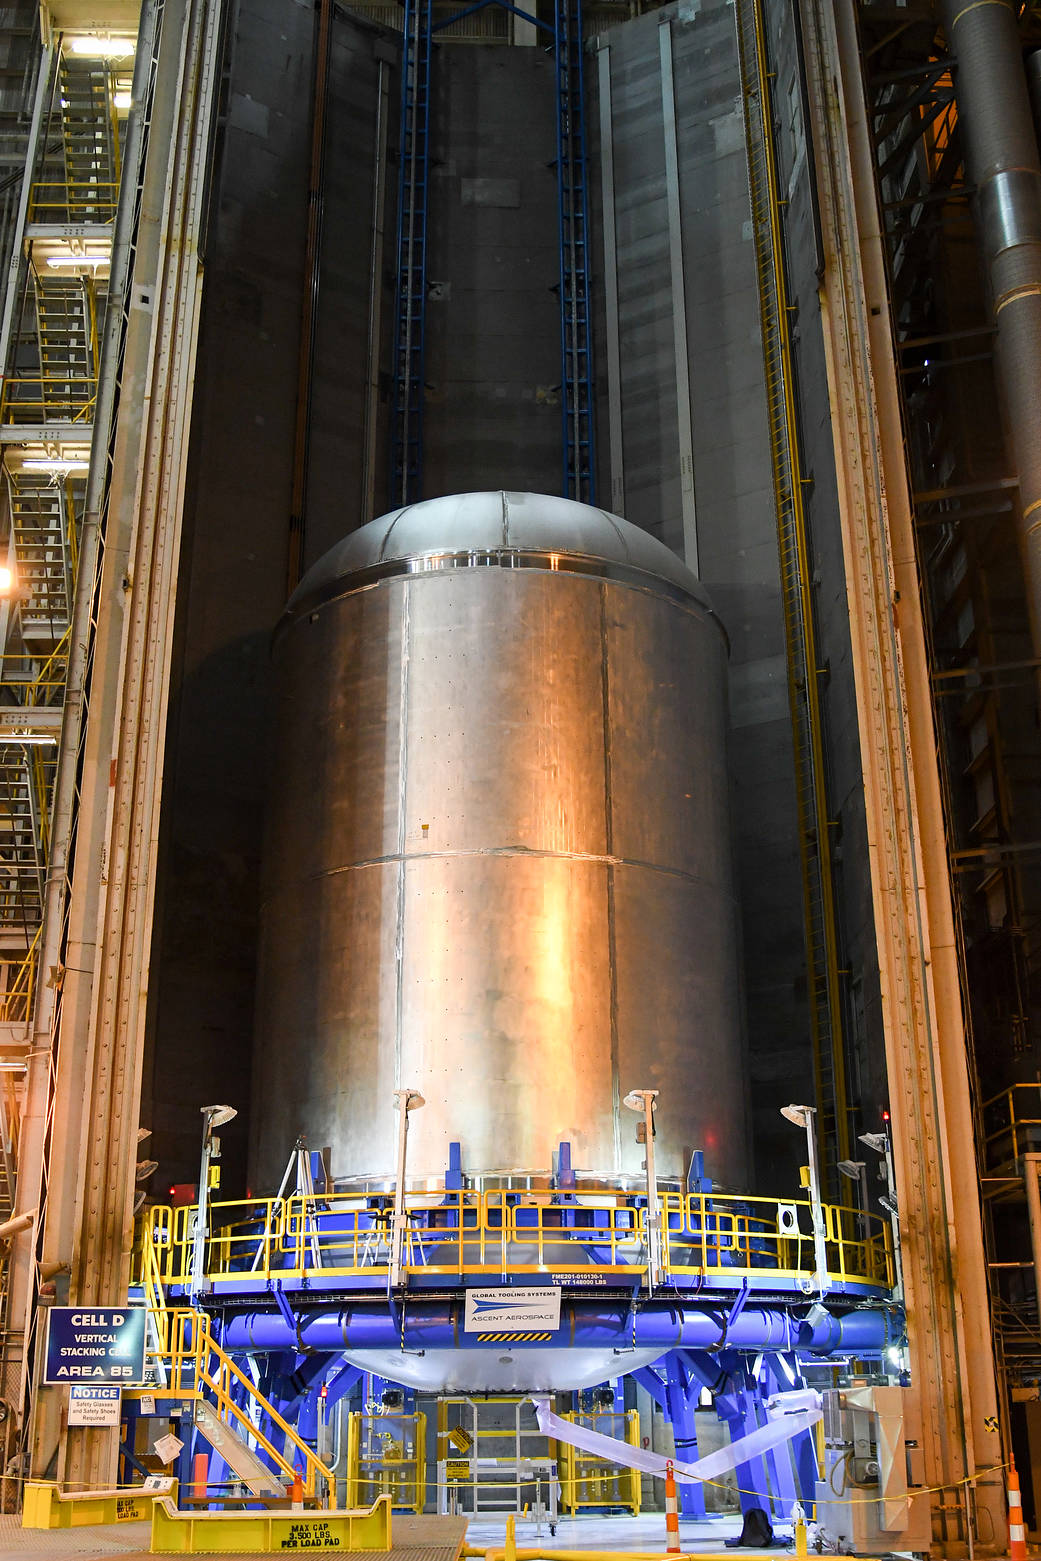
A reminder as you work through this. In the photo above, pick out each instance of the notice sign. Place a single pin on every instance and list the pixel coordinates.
(512, 1311)
(94, 1406)
(95, 1344)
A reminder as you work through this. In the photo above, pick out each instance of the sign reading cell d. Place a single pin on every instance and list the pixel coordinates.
(95, 1344)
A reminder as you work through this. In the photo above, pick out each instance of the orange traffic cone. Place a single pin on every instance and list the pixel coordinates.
(1017, 1539)
(672, 1520)
(296, 1492)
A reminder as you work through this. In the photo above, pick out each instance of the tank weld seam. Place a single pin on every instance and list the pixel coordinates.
(559, 561)
(601, 859)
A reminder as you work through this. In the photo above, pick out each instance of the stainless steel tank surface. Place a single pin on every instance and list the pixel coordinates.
(498, 865)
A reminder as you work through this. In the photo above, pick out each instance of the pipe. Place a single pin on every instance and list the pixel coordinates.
(1032, 1164)
(1002, 153)
(438, 1325)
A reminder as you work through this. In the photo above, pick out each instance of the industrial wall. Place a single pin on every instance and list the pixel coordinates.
(234, 575)
(845, 789)
(686, 325)
(492, 412)
(736, 537)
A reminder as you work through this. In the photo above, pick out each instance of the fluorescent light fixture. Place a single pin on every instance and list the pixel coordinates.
(99, 47)
(6, 580)
(57, 466)
(122, 102)
(71, 262)
(34, 740)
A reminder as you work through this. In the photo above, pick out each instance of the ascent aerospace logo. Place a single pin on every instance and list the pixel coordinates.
(511, 1311)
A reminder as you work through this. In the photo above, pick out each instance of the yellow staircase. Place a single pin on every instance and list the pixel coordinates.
(189, 1363)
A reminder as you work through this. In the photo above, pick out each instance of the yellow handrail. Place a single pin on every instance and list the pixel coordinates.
(194, 1361)
(454, 1233)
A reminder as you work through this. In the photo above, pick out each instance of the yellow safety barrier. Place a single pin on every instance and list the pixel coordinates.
(45, 1505)
(203, 1533)
(588, 1481)
(467, 1232)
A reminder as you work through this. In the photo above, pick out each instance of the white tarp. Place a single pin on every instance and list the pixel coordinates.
(781, 1428)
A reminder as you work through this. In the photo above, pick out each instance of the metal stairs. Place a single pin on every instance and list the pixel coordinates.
(575, 326)
(231, 1414)
(22, 849)
(90, 142)
(42, 528)
(67, 338)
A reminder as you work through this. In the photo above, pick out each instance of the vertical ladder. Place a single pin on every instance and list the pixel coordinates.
(576, 388)
(406, 438)
(804, 671)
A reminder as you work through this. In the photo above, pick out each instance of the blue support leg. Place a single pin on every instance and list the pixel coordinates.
(681, 1398)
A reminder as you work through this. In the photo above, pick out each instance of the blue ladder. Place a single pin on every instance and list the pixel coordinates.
(575, 327)
(406, 435)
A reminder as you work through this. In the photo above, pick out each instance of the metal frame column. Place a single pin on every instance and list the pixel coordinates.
(943, 1258)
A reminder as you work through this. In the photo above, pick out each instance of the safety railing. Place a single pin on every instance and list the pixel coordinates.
(37, 399)
(588, 1481)
(195, 1366)
(1012, 1124)
(386, 1456)
(16, 1002)
(501, 1231)
(68, 201)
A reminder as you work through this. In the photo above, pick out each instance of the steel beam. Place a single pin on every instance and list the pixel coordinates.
(88, 1161)
(944, 1263)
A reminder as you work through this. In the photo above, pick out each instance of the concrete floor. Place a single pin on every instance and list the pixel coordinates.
(645, 1533)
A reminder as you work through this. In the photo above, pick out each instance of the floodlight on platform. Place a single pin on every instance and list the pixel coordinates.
(217, 1115)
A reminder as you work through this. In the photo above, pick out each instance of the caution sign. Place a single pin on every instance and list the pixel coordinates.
(457, 1471)
(311, 1534)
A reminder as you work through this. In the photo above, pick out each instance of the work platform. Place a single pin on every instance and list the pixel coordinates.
(343, 1242)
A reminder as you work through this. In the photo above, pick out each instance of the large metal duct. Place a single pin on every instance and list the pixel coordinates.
(498, 864)
(421, 1347)
(1002, 154)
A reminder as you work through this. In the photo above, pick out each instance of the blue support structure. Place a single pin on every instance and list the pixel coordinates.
(576, 387)
(682, 1391)
(406, 435)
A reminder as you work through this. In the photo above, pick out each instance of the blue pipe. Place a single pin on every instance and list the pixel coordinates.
(584, 1324)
